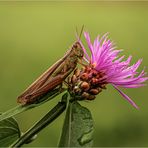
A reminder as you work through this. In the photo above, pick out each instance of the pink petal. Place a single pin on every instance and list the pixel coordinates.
(126, 97)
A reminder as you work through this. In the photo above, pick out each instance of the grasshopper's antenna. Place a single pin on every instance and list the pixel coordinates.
(81, 31)
(78, 36)
(77, 32)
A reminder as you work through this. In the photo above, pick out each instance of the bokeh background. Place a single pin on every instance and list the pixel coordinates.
(33, 35)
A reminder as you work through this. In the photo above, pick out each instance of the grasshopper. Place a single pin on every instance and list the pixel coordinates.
(54, 76)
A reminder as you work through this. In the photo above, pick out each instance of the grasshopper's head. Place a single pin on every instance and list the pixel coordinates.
(78, 50)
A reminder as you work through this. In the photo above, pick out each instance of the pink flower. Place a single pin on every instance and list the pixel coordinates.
(105, 59)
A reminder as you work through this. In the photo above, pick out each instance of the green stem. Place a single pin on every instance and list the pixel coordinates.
(47, 119)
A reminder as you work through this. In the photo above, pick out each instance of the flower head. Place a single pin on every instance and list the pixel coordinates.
(114, 70)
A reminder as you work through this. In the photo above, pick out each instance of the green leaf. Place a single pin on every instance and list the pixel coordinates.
(21, 108)
(78, 127)
(9, 132)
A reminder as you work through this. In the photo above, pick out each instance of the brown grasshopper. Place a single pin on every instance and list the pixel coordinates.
(54, 76)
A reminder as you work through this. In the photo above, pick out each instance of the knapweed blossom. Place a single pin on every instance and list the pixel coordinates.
(113, 69)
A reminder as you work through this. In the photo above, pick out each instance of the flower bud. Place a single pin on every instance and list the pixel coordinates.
(85, 86)
(94, 91)
(91, 97)
(85, 95)
(88, 69)
(84, 76)
(94, 81)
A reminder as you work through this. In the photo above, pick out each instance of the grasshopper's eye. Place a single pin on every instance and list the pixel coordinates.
(75, 46)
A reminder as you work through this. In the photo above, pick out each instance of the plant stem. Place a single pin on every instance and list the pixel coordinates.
(47, 119)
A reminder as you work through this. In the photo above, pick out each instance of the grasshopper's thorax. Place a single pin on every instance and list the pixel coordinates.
(74, 55)
(77, 50)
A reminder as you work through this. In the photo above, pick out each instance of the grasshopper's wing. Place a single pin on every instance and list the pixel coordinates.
(49, 85)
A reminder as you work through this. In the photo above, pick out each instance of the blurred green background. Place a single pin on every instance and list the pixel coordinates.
(33, 35)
